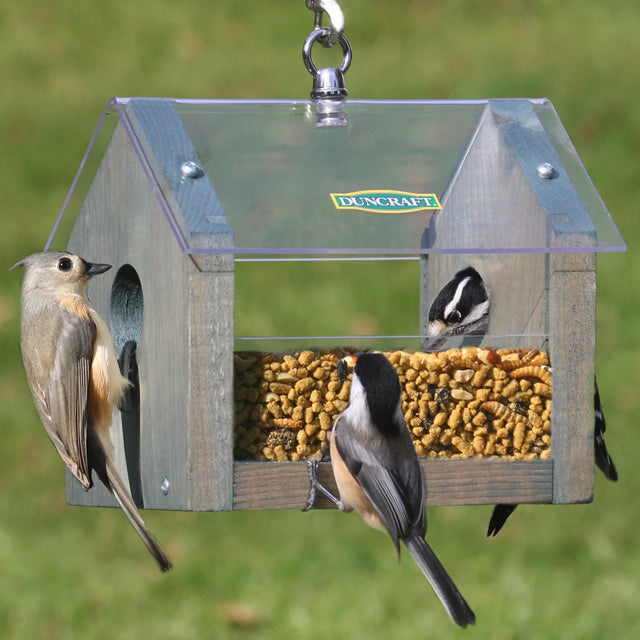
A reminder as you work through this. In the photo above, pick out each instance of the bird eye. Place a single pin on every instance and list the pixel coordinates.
(64, 264)
(454, 316)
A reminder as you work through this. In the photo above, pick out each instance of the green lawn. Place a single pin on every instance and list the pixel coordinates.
(561, 572)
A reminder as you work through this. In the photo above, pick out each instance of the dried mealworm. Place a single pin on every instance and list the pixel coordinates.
(533, 371)
(501, 411)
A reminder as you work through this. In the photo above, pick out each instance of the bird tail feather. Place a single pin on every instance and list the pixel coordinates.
(498, 517)
(440, 580)
(122, 495)
(603, 459)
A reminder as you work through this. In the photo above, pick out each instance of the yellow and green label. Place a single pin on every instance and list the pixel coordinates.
(386, 201)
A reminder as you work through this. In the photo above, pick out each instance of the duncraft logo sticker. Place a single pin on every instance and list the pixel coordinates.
(381, 201)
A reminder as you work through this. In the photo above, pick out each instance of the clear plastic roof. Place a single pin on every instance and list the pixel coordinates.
(269, 178)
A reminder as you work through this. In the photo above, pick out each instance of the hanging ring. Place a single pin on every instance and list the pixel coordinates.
(324, 32)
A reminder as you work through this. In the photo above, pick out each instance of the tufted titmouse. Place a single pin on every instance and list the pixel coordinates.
(379, 475)
(73, 373)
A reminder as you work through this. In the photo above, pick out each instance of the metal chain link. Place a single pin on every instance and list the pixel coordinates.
(336, 20)
(328, 82)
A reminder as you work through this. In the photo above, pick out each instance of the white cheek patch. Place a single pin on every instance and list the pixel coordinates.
(437, 327)
(451, 307)
(358, 411)
(477, 312)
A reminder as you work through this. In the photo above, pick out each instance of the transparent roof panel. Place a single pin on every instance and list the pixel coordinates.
(277, 173)
(383, 178)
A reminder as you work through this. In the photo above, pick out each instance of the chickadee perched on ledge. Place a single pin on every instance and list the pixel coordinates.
(462, 307)
(379, 475)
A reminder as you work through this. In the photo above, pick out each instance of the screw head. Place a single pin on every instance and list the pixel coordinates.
(546, 170)
(191, 169)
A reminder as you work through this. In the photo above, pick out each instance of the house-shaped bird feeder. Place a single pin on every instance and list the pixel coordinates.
(255, 244)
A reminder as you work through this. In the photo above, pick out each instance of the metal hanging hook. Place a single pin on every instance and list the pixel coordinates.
(327, 82)
(329, 91)
(336, 19)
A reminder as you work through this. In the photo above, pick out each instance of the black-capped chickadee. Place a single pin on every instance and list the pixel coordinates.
(603, 460)
(378, 473)
(462, 307)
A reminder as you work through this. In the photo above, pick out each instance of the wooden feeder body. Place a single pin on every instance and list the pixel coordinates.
(174, 234)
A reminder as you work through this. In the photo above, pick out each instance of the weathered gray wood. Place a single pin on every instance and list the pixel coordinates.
(211, 382)
(572, 309)
(121, 222)
(496, 193)
(567, 221)
(185, 348)
(285, 485)
(191, 205)
(489, 201)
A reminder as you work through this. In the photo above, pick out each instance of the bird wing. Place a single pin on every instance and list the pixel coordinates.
(393, 484)
(603, 459)
(63, 402)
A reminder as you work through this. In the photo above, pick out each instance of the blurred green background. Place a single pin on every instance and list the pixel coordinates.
(555, 572)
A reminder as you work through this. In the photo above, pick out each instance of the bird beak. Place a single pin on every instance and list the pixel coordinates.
(20, 263)
(343, 366)
(432, 344)
(437, 337)
(93, 268)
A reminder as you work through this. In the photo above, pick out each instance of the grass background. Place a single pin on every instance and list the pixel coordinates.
(563, 572)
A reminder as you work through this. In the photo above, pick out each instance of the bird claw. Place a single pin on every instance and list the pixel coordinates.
(313, 479)
(316, 486)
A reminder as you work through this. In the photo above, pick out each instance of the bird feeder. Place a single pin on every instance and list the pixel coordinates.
(196, 201)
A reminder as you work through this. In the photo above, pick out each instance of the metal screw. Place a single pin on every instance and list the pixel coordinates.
(165, 486)
(191, 169)
(546, 170)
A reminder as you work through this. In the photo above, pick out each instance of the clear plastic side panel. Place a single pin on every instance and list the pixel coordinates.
(84, 177)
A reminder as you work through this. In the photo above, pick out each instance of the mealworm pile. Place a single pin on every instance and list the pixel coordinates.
(458, 403)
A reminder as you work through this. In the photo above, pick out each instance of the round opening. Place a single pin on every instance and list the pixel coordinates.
(126, 311)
